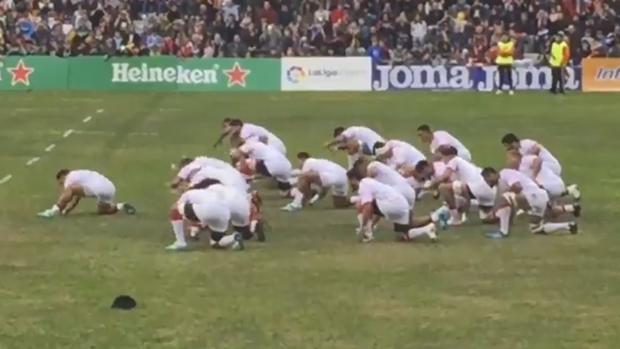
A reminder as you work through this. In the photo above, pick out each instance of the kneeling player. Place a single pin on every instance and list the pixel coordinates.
(384, 174)
(378, 200)
(356, 141)
(78, 184)
(214, 208)
(316, 177)
(523, 193)
(257, 157)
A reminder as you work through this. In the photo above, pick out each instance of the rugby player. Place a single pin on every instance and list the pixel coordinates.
(531, 147)
(356, 141)
(438, 139)
(240, 131)
(521, 192)
(78, 184)
(315, 178)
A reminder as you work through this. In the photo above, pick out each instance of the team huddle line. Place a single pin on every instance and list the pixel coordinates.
(386, 177)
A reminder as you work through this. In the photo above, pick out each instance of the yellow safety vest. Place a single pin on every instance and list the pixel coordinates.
(503, 47)
(557, 54)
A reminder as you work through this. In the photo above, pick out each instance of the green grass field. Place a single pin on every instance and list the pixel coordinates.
(312, 285)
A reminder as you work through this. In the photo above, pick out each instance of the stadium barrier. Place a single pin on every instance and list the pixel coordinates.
(168, 73)
(601, 75)
(165, 73)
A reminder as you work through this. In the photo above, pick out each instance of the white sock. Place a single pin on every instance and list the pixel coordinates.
(179, 233)
(120, 205)
(298, 197)
(553, 227)
(568, 208)
(55, 209)
(194, 231)
(456, 216)
(314, 199)
(351, 159)
(415, 232)
(504, 219)
(360, 220)
(227, 241)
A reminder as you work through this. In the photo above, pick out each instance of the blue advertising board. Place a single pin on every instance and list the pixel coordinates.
(456, 77)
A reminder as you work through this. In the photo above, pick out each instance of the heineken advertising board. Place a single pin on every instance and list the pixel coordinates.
(149, 73)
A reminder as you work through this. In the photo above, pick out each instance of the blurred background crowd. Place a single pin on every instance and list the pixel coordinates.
(390, 31)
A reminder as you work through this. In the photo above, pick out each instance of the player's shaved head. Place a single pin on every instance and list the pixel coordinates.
(510, 138)
(302, 155)
(421, 166)
(338, 130)
(62, 173)
(236, 122)
(487, 171)
(185, 161)
(424, 128)
(447, 150)
(205, 183)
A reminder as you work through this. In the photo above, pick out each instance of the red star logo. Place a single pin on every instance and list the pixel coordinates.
(237, 75)
(20, 74)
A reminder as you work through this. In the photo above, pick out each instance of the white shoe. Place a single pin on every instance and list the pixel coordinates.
(432, 234)
(520, 212)
(367, 238)
(511, 92)
(354, 199)
(454, 223)
(290, 207)
(176, 246)
(573, 190)
(499, 92)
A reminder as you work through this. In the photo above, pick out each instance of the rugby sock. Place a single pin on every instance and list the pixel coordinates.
(227, 241)
(360, 220)
(298, 197)
(504, 219)
(179, 233)
(55, 209)
(415, 232)
(351, 159)
(314, 199)
(553, 227)
(568, 208)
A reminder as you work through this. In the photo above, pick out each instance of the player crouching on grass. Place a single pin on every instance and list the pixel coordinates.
(357, 141)
(256, 157)
(212, 205)
(523, 193)
(78, 184)
(314, 179)
(377, 200)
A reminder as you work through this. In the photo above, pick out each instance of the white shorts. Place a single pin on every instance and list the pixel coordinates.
(409, 193)
(538, 201)
(103, 191)
(216, 215)
(554, 166)
(277, 144)
(483, 193)
(338, 182)
(396, 211)
(555, 187)
(281, 170)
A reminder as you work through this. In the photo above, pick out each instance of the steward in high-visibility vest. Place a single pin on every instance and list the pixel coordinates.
(558, 59)
(505, 60)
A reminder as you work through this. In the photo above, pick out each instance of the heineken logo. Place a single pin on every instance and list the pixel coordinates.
(143, 73)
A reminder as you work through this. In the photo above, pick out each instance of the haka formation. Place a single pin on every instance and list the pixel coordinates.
(387, 177)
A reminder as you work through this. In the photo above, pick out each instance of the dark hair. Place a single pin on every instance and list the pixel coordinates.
(227, 120)
(421, 165)
(302, 155)
(487, 171)
(62, 173)
(354, 174)
(338, 130)
(185, 161)
(205, 183)
(448, 150)
(236, 122)
(424, 128)
(510, 138)
(376, 146)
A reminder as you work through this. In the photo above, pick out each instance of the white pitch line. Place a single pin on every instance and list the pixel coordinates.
(32, 161)
(67, 133)
(87, 119)
(50, 147)
(5, 179)
(99, 111)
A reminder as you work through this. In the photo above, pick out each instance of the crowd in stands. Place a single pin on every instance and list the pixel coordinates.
(390, 31)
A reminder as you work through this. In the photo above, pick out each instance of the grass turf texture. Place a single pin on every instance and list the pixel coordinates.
(312, 285)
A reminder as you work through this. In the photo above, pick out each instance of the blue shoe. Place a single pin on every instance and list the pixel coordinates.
(444, 217)
(495, 234)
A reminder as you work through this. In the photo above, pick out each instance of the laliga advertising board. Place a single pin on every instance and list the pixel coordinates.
(326, 74)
